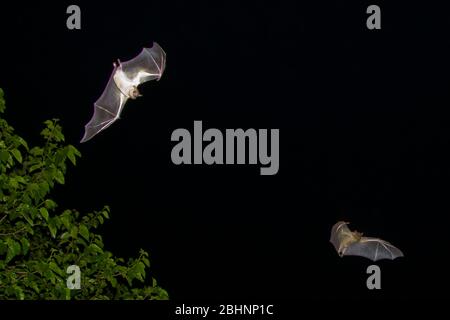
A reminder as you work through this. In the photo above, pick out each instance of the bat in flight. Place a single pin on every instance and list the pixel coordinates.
(122, 84)
(352, 243)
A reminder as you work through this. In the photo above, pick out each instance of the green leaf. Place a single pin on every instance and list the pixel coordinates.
(44, 187)
(59, 177)
(34, 212)
(21, 179)
(75, 151)
(65, 221)
(13, 183)
(29, 228)
(105, 212)
(16, 153)
(37, 151)
(13, 249)
(60, 156)
(49, 124)
(50, 276)
(54, 267)
(52, 227)
(65, 236)
(95, 248)
(4, 155)
(44, 213)
(33, 188)
(113, 281)
(139, 271)
(74, 232)
(36, 166)
(84, 231)
(58, 134)
(22, 142)
(34, 286)
(19, 293)
(28, 219)
(72, 158)
(50, 204)
(25, 245)
(72, 154)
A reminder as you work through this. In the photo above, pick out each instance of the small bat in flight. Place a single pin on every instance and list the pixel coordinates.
(352, 243)
(123, 83)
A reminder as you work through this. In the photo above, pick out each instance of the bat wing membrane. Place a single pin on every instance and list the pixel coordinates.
(338, 232)
(148, 65)
(374, 249)
(107, 109)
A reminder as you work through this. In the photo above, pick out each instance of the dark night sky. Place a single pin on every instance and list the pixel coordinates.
(364, 137)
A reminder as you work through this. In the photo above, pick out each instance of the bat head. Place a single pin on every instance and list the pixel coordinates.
(134, 93)
(357, 235)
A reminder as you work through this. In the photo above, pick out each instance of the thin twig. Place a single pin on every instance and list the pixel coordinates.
(13, 233)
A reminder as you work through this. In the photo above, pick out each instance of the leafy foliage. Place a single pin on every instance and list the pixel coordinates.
(38, 242)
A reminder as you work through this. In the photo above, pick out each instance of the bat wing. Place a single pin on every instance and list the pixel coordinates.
(107, 109)
(148, 65)
(373, 249)
(339, 232)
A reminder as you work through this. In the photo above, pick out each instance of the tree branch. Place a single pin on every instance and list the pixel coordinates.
(13, 233)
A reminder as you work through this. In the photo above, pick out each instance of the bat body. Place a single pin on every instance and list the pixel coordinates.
(122, 85)
(352, 243)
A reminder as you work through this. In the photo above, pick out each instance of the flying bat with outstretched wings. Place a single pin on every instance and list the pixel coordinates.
(352, 243)
(122, 85)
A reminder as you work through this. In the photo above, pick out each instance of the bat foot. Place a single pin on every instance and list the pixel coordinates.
(117, 64)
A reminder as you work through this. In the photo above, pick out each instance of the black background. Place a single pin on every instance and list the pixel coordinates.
(364, 137)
